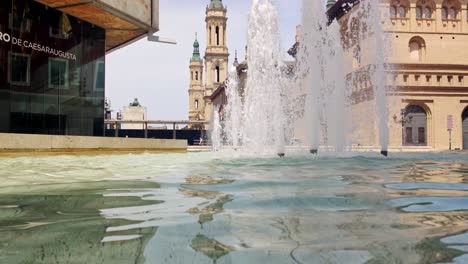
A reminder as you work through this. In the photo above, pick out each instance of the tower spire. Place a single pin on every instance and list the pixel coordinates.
(196, 49)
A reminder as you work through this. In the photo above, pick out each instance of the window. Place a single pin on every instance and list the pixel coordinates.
(211, 38)
(196, 104)
(393, 11)
(58, 73)
(75, 76)
(19, 66)
(402, 11)
(217, 74)
(399, 8)
(99, 76)
(196, 76)
(424, 8)
(450, 9)
(419, 12)
(453, 13)
(217, 36)
(417, 48)
(17, 19)
(428, 12)
(43, 92)
(444, 13)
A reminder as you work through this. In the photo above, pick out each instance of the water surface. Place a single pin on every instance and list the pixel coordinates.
(219, 208)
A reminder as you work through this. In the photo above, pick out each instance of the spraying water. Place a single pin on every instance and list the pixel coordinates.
(325, 91)
(216, 131)
(233, 121)
(264, 118)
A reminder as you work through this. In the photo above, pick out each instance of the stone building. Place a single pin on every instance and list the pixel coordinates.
(208, 74)
(134, 112)
(427, 69)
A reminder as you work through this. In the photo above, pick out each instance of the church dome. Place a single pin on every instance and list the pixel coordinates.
(330, 3)
(216, 4)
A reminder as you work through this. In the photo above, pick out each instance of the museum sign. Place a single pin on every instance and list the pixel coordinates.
(37, 47)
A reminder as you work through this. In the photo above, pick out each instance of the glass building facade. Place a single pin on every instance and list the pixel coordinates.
(51, 71)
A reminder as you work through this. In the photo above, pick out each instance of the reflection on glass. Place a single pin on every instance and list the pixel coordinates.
(42, 91)
(58, 73)
(75, 76)
(99, 76)
(19, 67)
(19, 19)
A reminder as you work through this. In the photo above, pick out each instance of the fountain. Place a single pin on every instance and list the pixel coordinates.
(264, 118)
(233, 121)
(216, 131)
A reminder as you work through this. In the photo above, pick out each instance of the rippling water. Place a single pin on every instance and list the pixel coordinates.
(213, 208)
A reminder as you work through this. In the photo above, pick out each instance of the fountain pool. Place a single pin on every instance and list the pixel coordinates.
(215, 208)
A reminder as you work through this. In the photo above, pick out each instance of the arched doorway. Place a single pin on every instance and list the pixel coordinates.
(414, 126)
(465, 128)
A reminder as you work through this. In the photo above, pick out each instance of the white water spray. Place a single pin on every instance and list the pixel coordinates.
(233, 121)
(216, 131)
(264, 117)
(323, 94)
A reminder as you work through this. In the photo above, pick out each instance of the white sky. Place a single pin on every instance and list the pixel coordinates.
(158, 74)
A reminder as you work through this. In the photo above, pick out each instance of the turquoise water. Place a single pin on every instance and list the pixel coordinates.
(218, 208)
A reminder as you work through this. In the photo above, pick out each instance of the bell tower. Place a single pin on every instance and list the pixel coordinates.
(196, 91)
(217, 54)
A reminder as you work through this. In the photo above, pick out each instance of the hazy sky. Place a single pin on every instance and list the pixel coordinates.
(158, 74)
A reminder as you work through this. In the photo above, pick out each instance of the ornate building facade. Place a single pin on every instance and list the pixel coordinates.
(207, 74)
(427, 70)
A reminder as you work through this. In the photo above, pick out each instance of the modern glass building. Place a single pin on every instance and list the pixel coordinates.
(52, 63)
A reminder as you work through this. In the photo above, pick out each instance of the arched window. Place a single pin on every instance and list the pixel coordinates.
(419, 12)
(450, 9)
(414, 126)
(453, 13)
(393, 11)
(196, 75)
(427, 12)
(399, 8)
(402, 11)
(217, 73)
(425, 8)
(444, 13)
(217, 36)
(417, 48)
(196, 104)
